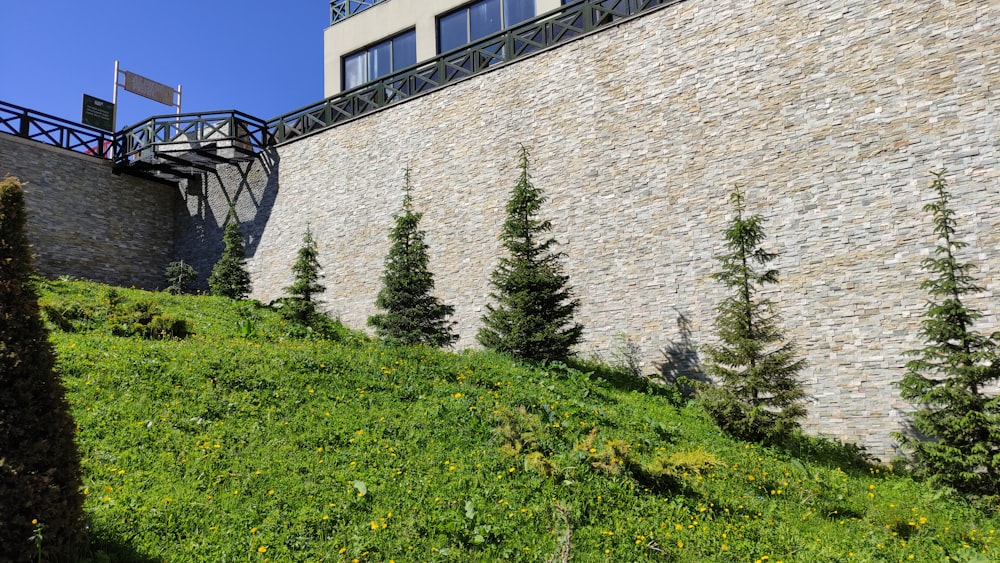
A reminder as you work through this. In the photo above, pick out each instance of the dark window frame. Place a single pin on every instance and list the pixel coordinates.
(467, 8)
(368, 49)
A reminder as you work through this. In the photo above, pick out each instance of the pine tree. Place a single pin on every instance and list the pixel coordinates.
(948, 377)
(533, 316)
(229, 276)
(306, 286)
(40, 474)
(759, 398)
(180, 276)
(412, 315)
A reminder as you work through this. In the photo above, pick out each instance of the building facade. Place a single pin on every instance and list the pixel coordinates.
(371, 38)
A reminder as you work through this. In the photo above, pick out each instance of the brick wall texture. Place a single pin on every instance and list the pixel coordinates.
(84, 221)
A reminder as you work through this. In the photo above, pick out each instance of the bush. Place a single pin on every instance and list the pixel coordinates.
(40, 477)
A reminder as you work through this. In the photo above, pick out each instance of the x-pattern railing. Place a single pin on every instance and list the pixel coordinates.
(190, 132)
(194, 131)
(343, 9)
(56, 131)
(572, 20)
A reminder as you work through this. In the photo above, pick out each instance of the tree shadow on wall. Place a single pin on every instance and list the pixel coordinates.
(250, 188)
(681, 365)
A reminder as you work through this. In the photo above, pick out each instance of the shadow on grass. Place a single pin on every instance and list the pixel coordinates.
(827, 452)
(105, 549)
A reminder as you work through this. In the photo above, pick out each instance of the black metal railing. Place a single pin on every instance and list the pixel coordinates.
(343, 9)
(245, 134)
(572, 20)
(191, 132)
(55, 131)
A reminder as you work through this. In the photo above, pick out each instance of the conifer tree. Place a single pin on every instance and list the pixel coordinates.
(229, 276)
(40, 474)
(180, 276)
(306, 276)
(759, 398)
(533, 315)
(949, 377)
(412, 315)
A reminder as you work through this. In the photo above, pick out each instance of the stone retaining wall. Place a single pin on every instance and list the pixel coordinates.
(84, 221)
(830, 114)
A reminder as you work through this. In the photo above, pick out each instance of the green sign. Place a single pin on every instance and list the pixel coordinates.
(98, 113)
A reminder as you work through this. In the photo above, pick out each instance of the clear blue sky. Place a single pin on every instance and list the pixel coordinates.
(262, 57)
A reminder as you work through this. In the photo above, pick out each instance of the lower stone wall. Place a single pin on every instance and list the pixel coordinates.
(831, 115)
(84, 221)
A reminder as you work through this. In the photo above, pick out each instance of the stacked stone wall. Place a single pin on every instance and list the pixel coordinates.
(86, 222)
(830, 114)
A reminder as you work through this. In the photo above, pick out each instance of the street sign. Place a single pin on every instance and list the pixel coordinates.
(149, 88)
(98, 113)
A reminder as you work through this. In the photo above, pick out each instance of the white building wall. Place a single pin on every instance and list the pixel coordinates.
(385, 20)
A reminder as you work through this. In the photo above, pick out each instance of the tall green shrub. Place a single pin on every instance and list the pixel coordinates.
(39, 464)
(533, 315)
(229, 276)
(301, 306)
(759, 398)
(947, 379)
(412, 314)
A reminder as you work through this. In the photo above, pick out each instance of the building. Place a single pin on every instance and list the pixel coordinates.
(368, 39)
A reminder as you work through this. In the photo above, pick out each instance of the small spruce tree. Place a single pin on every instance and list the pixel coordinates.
(40, 474)
(759, 398)
(948, 378)
(180, 276)
(412, 315)
(533, 316)
(229, 276)
(305, 287)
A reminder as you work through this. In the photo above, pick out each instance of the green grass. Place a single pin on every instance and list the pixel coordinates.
(273, 447)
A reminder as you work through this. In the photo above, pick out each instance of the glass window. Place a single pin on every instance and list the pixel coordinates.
(484, 19)
(479, 19)
(453, 30)
(517, 11)
(380, 59)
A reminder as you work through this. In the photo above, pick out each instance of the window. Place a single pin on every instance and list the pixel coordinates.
(479, 19)
(380, 59)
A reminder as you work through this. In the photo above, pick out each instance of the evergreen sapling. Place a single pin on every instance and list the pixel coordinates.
(229, 276)
(305, 287)
(948, 378)
(533, 315)
(759, 398)
(412, 315)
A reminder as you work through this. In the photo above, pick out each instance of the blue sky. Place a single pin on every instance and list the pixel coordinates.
(262, 57)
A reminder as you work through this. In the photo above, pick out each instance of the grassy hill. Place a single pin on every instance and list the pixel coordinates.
(245, 441)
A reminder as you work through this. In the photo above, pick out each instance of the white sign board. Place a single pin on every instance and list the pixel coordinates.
(149, 89)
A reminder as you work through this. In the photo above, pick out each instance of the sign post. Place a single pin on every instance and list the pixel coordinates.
(98, 113)
(144, 87)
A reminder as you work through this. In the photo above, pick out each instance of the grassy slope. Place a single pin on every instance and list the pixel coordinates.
(219, 448)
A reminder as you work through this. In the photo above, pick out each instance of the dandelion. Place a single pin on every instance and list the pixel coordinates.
(262, 549)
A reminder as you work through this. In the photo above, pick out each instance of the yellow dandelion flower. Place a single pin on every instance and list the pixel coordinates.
(262, 549)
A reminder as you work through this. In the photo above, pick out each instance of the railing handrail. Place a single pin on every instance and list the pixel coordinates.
(187, 130)
(55, 131)
(340, 10)
(572, 20)
(555, 27)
